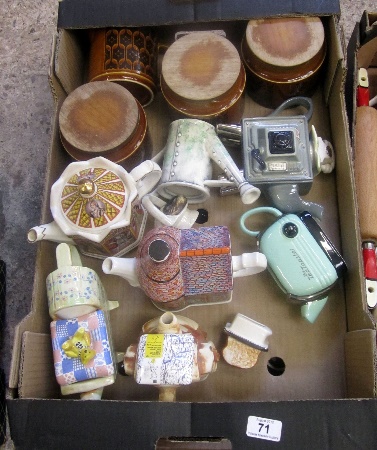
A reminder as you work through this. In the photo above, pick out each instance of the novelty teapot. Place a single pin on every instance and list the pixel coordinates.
(84, 359)
(96, 205)
(177, 268)
(192, 145)
(172, 351)
(281, 156)
(302, 259)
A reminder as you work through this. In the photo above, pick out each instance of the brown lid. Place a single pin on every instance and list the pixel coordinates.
(284, 43)
(98, 117)
(201, 66)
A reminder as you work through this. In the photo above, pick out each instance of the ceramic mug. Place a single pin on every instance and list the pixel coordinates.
(191, 147)
(127, 56)
(74, 290)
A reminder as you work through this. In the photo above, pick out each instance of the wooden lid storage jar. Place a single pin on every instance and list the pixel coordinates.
(283, 57)
(102, 119)
(202, 77)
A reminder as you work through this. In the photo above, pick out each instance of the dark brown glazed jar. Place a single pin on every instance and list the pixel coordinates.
(202, 77)
(283, 57)
(126, 56)
(102, 119)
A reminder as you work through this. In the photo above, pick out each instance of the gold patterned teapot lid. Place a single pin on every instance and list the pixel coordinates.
(92, 196)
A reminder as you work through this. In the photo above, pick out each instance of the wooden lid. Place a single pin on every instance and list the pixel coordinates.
(98, 117)
(201, 66)
(287, 41)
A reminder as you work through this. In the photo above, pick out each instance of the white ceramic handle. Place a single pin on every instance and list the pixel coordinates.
(152, 204)
(153, 208)
(146, 176)
(248, 264)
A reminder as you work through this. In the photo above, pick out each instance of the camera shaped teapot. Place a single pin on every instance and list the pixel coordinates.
(96, 205)
(282, 155)
(300, 256)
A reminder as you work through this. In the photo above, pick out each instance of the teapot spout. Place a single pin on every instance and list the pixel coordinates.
(122, 267)
(48, 232)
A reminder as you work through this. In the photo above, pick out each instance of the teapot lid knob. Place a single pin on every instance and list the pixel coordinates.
(86, 188)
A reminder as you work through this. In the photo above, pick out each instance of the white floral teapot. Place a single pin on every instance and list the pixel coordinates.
(96, 205)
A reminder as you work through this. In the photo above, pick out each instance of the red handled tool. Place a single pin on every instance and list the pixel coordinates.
(362, 94)
(370, 272)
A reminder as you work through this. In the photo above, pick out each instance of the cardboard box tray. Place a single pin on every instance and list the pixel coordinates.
(330, 359)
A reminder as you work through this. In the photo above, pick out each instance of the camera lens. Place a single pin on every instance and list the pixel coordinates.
(281, 142)
(290, 230)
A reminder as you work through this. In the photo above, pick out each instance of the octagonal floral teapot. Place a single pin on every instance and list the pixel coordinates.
(96, 205)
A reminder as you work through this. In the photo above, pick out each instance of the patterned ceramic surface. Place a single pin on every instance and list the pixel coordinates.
(70, 370)
(165, 359)
(95, 210)
(197, 269)
(74, 286)
(125, 56)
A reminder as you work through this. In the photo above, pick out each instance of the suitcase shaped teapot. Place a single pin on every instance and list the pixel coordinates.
(301, 258)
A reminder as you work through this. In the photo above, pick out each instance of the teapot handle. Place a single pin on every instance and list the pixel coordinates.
(307, 102)
(254, 211)
(153, 204)
(146, 176)
(248, 264)
(67, 255)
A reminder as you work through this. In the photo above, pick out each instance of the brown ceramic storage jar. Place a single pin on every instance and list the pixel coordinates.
(126, 56)
(102, 119)
(202, 77)
(283, 57)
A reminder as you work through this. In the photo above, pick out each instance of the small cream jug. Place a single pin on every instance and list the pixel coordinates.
(96, 205)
